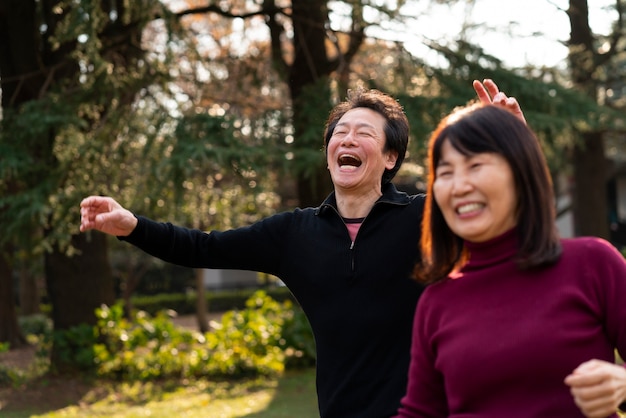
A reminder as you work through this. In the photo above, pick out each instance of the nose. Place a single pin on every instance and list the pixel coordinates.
(461, 185)
(348, 140)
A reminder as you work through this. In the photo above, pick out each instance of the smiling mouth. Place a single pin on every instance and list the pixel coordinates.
(470, 207)
(348, 160)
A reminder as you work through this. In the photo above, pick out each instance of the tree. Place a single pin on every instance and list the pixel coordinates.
(307, 54)
(589, 56)
(14, 36)
(69, 74)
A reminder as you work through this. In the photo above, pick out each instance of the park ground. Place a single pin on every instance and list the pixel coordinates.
(77, 397)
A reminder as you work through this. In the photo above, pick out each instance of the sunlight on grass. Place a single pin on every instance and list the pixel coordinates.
(290, 395)
(181, 405)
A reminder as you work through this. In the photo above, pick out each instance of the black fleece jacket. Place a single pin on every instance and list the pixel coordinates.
(358, 297)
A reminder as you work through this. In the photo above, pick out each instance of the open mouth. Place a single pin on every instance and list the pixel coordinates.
(349, 160)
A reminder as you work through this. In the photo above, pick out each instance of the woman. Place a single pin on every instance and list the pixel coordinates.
(515, 322)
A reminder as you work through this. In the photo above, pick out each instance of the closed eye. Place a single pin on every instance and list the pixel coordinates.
(365, 133)
(443, 173)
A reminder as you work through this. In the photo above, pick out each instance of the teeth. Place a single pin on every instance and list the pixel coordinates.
(470, 207)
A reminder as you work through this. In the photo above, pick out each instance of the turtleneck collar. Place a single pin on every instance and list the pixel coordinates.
(494, 251)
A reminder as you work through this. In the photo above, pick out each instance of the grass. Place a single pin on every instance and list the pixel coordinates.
(291, 395)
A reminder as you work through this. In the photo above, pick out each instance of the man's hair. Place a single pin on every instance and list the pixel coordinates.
(481, 128)
(396, 127)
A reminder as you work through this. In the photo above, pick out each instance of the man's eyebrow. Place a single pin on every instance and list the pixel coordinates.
(359, 124)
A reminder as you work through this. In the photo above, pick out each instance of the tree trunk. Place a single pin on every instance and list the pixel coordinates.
(201, 304)
(313, 188)
(29, 291)
(80, 284)
(310, 96)
(590, 180)
(591, 216)
(9, 329)
(18, 56)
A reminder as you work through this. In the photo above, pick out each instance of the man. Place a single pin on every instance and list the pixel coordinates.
(348, 262)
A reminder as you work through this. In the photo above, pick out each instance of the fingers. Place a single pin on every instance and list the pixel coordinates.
(104, 214)
(87, 218)
(598, 407)
(597, 387)
(90, 208)
(488, 93)
(481, 92)
(486, 90)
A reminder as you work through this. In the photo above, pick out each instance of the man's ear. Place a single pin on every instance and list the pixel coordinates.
(392, 158)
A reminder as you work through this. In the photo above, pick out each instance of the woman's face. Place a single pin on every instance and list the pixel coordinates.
(476, 193)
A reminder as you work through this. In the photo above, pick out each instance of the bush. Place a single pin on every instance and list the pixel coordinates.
(74, 347)
(37, 324)
(259, 340)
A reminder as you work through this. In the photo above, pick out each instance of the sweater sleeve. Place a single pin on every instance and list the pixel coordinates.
(610, 277)
(425, 395)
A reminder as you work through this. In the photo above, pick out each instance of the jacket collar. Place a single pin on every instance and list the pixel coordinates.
(390, 195)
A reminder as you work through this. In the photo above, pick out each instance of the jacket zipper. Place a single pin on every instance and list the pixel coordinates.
(352, 256)
(351, 248)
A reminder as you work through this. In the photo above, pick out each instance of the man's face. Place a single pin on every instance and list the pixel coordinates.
(355, 155)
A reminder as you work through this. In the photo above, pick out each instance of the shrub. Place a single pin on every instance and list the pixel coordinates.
(259, 340)
(36, 324)
(74, 347)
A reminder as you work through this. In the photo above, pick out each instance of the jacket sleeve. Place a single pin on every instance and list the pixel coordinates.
(257, 247)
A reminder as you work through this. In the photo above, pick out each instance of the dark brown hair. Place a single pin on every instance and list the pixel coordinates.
(481, 128)
(396, 126)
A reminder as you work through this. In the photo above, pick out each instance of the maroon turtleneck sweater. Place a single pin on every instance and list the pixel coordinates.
(497, 342)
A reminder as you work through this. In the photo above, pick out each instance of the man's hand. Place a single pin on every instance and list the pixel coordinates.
(106, 215)
(489, 93)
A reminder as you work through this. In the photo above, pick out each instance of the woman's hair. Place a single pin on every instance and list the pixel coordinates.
(396, 127)
(484, 128)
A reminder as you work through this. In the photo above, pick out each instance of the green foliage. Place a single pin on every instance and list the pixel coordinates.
(38, 325)
(298, 341)
(258, 340)
(142, 349)
(75, 346)
(248, 341)
(555, 112)
(58, 145)
(10, 376)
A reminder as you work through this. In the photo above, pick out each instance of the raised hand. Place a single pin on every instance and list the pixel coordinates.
(106, 215)
(488, 92)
